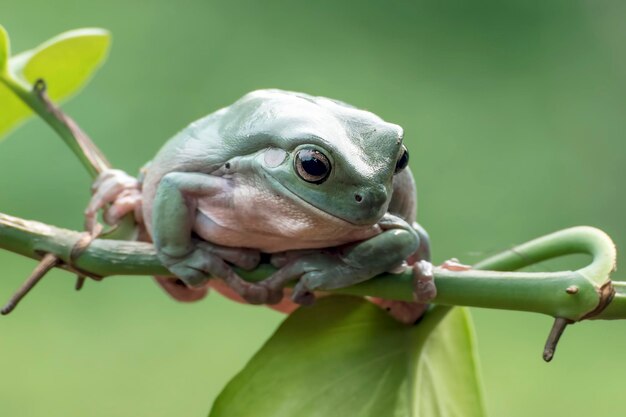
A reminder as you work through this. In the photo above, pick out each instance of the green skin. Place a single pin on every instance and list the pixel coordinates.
(228, 188)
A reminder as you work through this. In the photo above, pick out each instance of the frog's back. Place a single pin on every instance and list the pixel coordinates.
(197, 148)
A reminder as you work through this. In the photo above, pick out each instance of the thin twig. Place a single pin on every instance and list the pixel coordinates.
(48, 262)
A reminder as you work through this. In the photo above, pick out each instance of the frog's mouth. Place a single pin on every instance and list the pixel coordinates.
(302, 203)
(311, 208)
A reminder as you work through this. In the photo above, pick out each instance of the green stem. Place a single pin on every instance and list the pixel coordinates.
(87, 153)
(576, 240)
(549, 293)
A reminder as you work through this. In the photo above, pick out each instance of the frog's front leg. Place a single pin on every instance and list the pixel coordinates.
(350, 264)
(174, 213)
(423, 285)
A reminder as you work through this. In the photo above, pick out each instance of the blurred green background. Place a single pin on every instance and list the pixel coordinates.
(514, 113)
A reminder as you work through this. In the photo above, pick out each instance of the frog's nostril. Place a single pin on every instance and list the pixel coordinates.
(358, 198)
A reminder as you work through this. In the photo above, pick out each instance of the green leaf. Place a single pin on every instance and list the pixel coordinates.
(5, 49)
(345, 357)
(66, 62)
(13, 110)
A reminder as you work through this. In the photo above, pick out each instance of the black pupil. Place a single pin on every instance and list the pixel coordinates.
(312, 164)
(403, 161)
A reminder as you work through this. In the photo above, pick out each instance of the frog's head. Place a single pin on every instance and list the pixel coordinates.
(328, 154)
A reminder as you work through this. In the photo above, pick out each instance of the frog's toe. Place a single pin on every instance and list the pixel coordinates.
(303, 292)
(454, 265)
(179, 291)
(110, 186)
(247, 259)
(128, 201)
(194, 269)
(261, 294)
(403, 311)
(424, 289)
(191, 276)
(303, 296)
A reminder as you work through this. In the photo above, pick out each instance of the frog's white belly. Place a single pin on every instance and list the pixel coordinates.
(250, 216)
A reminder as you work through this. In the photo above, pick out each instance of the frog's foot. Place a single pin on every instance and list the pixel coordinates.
(118, 194)
(453, 264)
(424, 289)
(316, 271)
(206, 260)
(307, 267)
(404, 311)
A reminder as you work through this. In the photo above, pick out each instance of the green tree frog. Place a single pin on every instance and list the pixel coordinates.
(317, 186)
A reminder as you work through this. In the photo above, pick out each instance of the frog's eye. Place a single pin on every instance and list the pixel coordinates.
(312, 165)
(403, 161)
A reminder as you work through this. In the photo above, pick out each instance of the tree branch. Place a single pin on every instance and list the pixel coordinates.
(572, 295)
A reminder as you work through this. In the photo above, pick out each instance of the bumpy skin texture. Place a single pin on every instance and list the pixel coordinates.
(227, 188)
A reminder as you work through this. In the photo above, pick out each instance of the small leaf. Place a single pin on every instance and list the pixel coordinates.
(13, 110)
(5, 49)
(345, 357)
(66, 62)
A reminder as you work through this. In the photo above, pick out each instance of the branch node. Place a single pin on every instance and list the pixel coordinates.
(79, 247)
(40, 86)
(606, 293)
